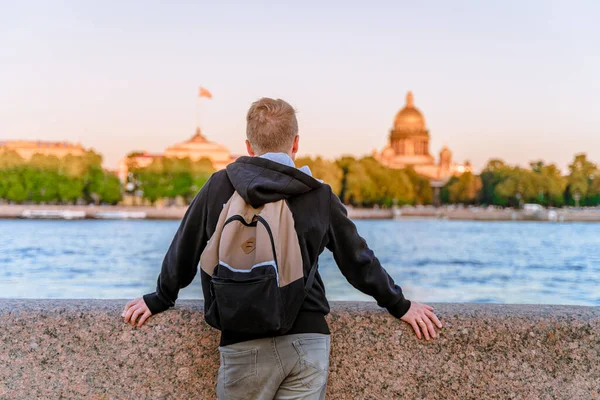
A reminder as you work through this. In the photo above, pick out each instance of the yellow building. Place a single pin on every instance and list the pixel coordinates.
(140, 160)
(27, 148)
(195, 148)
(409, 146)
(198, 147)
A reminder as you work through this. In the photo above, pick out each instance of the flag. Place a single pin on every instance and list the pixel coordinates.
(204, 93)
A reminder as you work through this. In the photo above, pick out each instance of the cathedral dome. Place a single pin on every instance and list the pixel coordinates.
(409, 118)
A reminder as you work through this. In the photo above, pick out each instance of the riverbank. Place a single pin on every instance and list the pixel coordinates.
(73, 349)
(484, 214)
(449, 213)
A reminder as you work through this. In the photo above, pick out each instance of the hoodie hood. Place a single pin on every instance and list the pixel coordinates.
(260, 181)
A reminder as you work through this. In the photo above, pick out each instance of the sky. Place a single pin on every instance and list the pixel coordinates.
(516, 80)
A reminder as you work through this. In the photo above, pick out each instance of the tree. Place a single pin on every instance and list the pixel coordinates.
(70, 188)
(169, 178)
(366, 182)
(93, 184)
(3, 184)
(43, 162)
(16, 192)
(111, 190)
(509, 186)
(101, 186)
(10, 159)
(358, 188)
(465, 189)
(49, 179)
(344, 165)
(493, 174)
(41, 185)
(327, 171)
(422, 187)
(581, 185)
(390, 185)
(550, 184)
(516, 185)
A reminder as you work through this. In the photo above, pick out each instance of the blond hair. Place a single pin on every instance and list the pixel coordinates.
(271, 126)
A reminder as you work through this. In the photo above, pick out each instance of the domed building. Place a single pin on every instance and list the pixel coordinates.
(409, 147)
(195, 148)
(409, 138)
(198, 147)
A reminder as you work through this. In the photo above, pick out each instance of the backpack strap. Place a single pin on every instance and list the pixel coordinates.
(311, 277)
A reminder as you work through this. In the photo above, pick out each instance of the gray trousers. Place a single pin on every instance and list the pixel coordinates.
(290, 367)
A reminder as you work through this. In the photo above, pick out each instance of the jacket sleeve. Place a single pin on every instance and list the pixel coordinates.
(180, 264)
(358, 263)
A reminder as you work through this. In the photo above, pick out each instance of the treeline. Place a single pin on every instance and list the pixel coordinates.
(81, 179)
(365, 183)
(168, 178)
(360, 182)
(504, 185)
(53, 180)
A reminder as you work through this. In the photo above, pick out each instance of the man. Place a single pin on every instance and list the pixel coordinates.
(292, 365)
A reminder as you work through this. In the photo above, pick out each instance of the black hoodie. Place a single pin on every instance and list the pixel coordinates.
(320, 221)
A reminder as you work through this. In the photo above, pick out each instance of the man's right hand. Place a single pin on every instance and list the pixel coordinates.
(421, 318)
(135, 309)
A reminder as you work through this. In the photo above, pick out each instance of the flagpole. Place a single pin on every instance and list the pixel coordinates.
(198, 99)
(202, 92)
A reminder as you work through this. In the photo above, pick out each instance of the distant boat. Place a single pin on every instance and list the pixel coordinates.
(553, 216)
(533, 209)
(120, 215)
(52, 214)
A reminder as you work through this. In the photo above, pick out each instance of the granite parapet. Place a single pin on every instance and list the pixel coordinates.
(74, 349)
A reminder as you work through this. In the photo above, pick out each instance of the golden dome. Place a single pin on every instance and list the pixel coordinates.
(409, 118)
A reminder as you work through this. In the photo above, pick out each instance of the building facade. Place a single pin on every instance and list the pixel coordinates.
(198, 147)
(408, 146)
(28, 148)
(195, 148)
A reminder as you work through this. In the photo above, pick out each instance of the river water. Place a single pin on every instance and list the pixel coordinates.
(433, 260)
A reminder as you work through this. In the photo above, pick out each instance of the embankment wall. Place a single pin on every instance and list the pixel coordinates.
(74, 349)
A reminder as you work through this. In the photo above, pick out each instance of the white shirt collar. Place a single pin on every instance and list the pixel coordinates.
(285, 159)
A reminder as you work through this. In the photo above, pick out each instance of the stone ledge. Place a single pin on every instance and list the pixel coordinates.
(82, 349)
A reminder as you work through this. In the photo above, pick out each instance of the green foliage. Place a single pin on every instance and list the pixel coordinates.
(583, 182)
(111, 191)
(100, 186)
(504, 185)
(422, 187)
(361, 182)
(550, 184)
(69, 189)
(135, 154)
(366, 182)
(444, 191)
(465, 189)
(49, 179)
(327, 171)
(10, 159)
(171, 178)
(3, 183)
(491, 176)
(15, 190)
